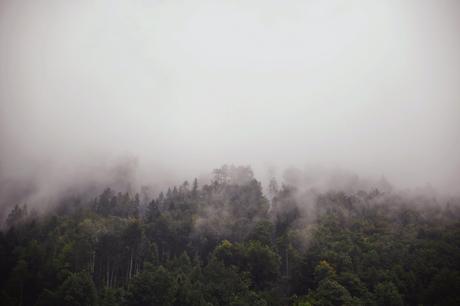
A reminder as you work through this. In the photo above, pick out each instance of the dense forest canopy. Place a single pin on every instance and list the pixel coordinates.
(230, 243)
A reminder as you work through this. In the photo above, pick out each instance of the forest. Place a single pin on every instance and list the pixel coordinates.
(229, 242)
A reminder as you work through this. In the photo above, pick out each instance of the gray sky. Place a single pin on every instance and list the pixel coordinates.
(181, 87)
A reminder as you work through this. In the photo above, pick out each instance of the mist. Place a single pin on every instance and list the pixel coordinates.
(128, 93)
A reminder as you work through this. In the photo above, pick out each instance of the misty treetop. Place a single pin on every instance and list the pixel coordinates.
(227, 243)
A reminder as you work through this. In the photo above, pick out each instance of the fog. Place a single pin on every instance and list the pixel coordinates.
(153, 92)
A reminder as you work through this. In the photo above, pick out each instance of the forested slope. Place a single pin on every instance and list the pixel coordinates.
(226, 243)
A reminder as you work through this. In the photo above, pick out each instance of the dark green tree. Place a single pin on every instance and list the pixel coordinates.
(77, 290)
(151, 288)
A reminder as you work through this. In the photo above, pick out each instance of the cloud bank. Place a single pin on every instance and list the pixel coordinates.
(177, 88)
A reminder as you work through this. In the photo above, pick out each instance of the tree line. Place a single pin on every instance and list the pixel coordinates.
(227, 243)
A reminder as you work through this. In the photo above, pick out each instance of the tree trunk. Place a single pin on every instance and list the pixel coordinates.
(108, 275)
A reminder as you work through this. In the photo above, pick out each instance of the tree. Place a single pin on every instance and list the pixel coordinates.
(189, 291)
(259, 260)
(110, 297)
(331, 293)
(77, 290)
(224, 285)
(132, 239)
(262, 232)
(151, 288)
(388, 295)
(195, 187)
(17, 215)
(222, 244)
(324, 271)
(262, 263)
(444, 289)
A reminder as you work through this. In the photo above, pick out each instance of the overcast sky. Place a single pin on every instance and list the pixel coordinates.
(182, 87)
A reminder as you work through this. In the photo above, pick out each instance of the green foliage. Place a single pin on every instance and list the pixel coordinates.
(331, 293)
(387, 295)
(220, 244)
(156, 287)
(444, 288)
(262, 232)
(225, 285)
(324, 271)
(77, 290)
(253, 257)
(110, 297)
(262, 263)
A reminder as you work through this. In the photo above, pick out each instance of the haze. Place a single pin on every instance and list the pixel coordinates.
(178, 88)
